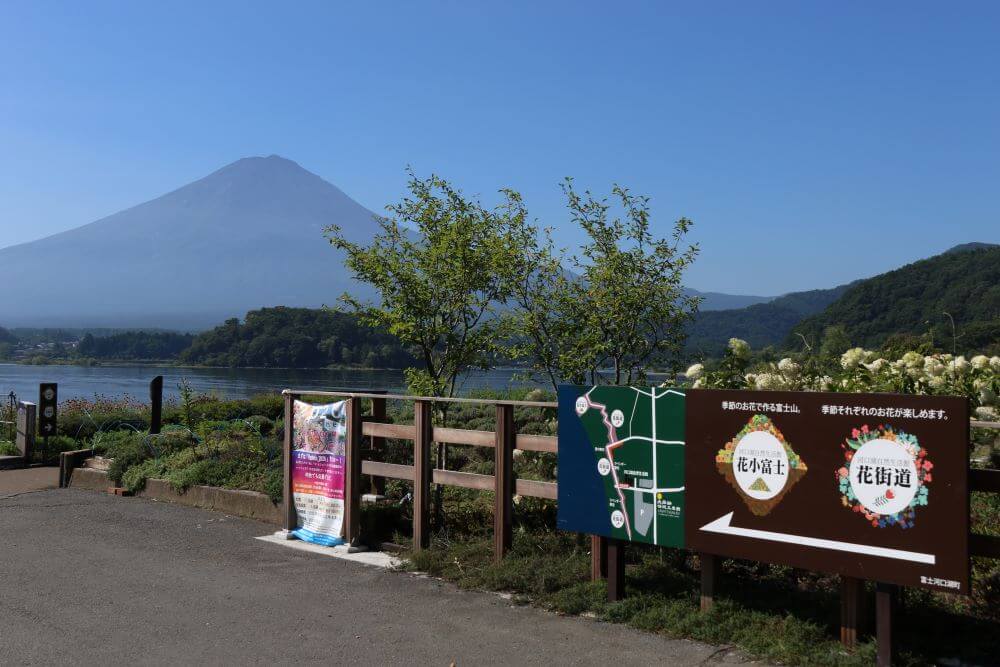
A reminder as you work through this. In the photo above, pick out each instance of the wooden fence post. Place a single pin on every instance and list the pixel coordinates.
(598, 558)
(709, 574)
(884, 599)
(503, 503)
(155, 405)
(424, 427)
(352, 473)
(852, 597)
(287, 500)
(616, 570)
(378, 444)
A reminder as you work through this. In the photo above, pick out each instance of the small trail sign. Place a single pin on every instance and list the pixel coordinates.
(872, 486)
(48, 400)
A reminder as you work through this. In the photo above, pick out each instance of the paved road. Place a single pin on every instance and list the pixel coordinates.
(87, 578)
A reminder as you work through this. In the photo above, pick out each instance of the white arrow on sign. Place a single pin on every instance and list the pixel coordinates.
(722, 525)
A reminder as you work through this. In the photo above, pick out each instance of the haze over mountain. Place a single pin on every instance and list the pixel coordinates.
(246, 236)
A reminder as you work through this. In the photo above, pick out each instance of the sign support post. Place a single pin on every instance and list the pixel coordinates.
(709, 575)
(884, 598)
(155, 405)
(352, 473)
(598, 557)
(852, 598)
(289, 502)
(616, 570)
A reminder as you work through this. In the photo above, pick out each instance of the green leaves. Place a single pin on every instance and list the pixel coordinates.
(441, 264)
(624, 310)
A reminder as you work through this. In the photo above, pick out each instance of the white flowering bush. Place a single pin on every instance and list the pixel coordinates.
(860, 370)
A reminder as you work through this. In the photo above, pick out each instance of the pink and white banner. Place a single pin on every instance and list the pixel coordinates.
(319, 437)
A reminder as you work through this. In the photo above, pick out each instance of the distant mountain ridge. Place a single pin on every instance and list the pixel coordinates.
(721, 301)
(961, 285)
(963, 281)
(760, 324)
(247, 235)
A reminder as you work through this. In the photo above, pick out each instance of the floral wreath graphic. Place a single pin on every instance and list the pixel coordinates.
(724, 463)
(904, 518)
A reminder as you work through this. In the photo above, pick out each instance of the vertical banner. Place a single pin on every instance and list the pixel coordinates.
(319, 439)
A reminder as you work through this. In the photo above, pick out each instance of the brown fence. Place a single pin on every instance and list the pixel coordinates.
(422, 433)
(606, 554)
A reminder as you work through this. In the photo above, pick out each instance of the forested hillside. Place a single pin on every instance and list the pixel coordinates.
(760, 325)
(134, 345)
(296, 337)
(922, 299)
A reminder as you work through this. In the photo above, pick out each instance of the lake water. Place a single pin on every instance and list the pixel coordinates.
(117, 381)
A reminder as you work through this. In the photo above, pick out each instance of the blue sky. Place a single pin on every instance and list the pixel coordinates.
(811, 143)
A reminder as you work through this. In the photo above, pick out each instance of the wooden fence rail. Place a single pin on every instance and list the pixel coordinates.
(607, 557)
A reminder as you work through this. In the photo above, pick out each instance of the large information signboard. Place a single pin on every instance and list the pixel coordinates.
(866, 485)
(319, 435)
(621, 463)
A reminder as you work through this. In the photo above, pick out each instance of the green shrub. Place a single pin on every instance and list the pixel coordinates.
(126, 450)
(104, 442)
(83, 418)
(261, 424)
(271, 406)
(49, 451)
(134, 479)
(274, 483)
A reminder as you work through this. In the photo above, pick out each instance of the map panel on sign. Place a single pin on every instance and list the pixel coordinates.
(621, 463)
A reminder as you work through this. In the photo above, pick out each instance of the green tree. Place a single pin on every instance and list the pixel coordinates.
(441, 263)
(625, 309)
(835, 341)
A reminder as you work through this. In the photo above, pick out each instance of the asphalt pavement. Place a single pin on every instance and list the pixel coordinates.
(87, 578)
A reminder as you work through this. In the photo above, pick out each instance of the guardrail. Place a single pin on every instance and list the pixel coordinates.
(607, 558)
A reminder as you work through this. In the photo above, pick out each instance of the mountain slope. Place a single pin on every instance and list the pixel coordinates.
(245, 236)
(761, 324)
(963, 283)
(720, 301)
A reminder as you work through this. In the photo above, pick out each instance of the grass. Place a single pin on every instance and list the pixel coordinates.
(769, 613)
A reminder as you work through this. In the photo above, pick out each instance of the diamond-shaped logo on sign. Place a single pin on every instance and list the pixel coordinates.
(760, 464)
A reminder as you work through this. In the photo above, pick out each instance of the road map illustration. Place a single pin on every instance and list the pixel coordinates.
(621, 463)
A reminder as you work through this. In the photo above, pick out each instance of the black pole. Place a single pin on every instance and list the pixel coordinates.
(156, 404)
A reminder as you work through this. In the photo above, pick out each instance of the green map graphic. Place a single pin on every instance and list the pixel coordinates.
(637, 438)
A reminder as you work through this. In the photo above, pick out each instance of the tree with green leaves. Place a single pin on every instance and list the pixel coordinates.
(624, 309)
(441, 264)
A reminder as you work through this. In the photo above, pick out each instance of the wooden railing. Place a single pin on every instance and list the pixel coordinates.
(504, 440)
(607, 557)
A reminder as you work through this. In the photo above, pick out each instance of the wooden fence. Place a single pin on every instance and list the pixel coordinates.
(607, 557)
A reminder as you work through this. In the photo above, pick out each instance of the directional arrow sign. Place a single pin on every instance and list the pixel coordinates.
(723, 525)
